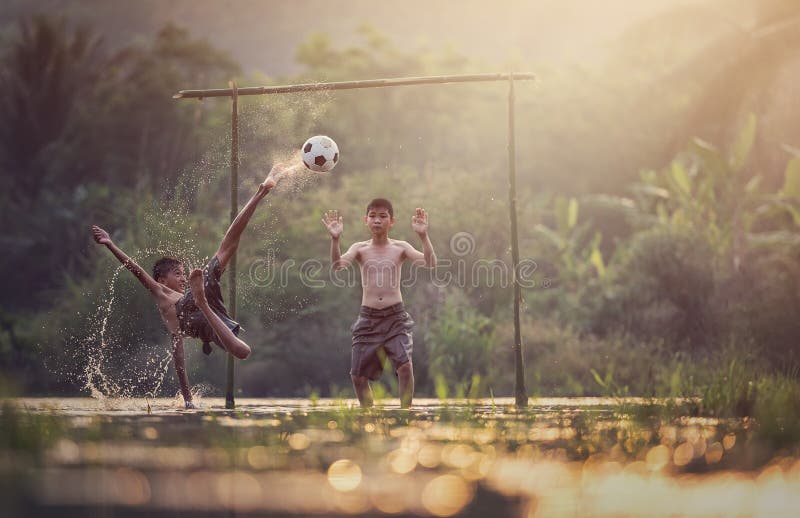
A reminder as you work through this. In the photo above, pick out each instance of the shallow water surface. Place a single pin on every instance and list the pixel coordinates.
(296, 457)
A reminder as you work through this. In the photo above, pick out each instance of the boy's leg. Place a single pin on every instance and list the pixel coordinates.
(399, 349)
(363, 390)
(405, 373)
(230, 242)
(227, 339)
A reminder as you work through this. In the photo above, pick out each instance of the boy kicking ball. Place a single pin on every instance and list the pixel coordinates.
(198, 312)
(383, 328)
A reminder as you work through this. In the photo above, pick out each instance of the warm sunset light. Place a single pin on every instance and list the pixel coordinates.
(421, 259)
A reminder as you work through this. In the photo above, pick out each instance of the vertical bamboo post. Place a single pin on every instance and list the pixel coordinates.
(520, 393)
(230, 402)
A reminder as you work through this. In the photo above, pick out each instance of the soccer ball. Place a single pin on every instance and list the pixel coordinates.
(320, 154)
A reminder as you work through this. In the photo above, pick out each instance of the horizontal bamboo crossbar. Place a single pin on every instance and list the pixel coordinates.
(350, 85)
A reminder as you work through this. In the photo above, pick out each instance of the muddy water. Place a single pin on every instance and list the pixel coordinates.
(297, 457)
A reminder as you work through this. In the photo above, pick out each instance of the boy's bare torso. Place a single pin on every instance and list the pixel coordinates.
(381, 269)
(166, 301)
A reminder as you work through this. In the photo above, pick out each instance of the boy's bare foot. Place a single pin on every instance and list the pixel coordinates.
(277, 172)
(269, 183)
(198, 290)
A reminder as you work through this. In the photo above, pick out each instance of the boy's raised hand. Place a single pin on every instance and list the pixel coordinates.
(100, 235)
(419, 222)
(333, 222)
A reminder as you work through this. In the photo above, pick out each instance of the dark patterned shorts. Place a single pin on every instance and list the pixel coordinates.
(192, 321)
(378, 334)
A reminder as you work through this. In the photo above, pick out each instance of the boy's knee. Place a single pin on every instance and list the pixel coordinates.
(359, 381)
(243, 352)
(405, 370)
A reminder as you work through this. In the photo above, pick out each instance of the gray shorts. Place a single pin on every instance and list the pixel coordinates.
(378, 334)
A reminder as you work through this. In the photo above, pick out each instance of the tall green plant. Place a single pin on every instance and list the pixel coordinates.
(460, 349)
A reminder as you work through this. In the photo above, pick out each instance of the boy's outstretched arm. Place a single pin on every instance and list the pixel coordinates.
(419, 223)
(180, 369)
(102, 237)
(333, 222)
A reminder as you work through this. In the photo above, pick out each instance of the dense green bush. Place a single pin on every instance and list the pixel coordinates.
(661, 288)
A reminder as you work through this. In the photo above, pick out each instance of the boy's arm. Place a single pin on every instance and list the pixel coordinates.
(180, 369)
(102, 237)
(429, 256)
(333, 222)
(419, 222)
(340, 262)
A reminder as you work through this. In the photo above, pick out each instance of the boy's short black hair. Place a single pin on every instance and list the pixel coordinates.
(163, 266)
(382, 203)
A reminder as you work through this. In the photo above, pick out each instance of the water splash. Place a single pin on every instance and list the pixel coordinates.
(98, 347)
(98, 384)
(163, 368)
(199, 392)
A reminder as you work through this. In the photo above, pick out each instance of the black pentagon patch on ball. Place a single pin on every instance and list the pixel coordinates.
(306, 164)
(307, 148)
(335, 158)
(320, 160)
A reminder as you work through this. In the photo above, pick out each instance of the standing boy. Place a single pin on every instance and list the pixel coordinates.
(383, 328)
(199, 311)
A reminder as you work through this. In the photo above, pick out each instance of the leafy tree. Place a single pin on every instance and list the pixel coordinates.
(46, 71)
(154, 137)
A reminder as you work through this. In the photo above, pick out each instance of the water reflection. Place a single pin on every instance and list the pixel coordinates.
(298, 457)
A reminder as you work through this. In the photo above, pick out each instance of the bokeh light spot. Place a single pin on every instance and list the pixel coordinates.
(714, 453)
(683, 454)
(299, 441)
(446, 495)
(657, 457)
(344, 475)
